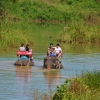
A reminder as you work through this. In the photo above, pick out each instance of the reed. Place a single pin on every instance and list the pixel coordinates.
(91, 79)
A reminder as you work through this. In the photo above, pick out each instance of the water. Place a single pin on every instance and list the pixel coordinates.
(21, 83)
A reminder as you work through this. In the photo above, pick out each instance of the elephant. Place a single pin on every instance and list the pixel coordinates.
(24, 62)
(52, 63)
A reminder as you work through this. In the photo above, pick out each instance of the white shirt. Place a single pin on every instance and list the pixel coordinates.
(58, 49)
(22, 48)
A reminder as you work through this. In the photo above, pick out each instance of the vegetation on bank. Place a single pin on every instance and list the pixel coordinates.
(81, 19)
(85, 87)
(12, 37)
(80, 32)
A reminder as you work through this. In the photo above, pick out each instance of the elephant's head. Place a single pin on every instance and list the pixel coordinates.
(51, 62)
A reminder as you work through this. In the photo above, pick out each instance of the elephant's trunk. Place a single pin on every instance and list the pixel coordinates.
(48, 66)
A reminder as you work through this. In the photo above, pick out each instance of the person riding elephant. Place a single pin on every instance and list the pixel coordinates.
(49, 49)
(58, 51)
(28, 49)
(22, 48)
(52, 60)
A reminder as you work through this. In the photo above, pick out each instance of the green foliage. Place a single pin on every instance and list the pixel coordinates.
(91, 79)
(11, 37)
(64, 10)
(87, 87)
(80, 33)
(34, 10)
(69, 2)
(62, 92)
(2, 7)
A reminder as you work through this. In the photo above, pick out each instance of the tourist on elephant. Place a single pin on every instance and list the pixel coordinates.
(28, 49)
(22, 48)
(58, 50)
(49, 49)
(52, 52)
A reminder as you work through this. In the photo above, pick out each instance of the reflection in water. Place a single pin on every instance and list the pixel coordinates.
(23, 81)
(52, 77)
(23, 72)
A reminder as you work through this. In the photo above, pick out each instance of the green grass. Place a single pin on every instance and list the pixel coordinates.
(92, 79)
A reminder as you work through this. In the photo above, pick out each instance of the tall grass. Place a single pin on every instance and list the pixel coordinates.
(92, 79)
(86, 87)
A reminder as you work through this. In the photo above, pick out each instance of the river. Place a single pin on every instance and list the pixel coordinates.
(28, 83)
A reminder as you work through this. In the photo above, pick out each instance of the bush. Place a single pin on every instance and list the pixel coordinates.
(86, 87)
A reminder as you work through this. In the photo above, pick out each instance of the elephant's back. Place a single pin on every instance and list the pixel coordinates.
(24, 62)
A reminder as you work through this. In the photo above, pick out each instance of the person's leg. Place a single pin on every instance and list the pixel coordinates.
(31, 58)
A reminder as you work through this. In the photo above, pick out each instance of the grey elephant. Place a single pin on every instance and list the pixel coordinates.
(52, 63)
(24, 62)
